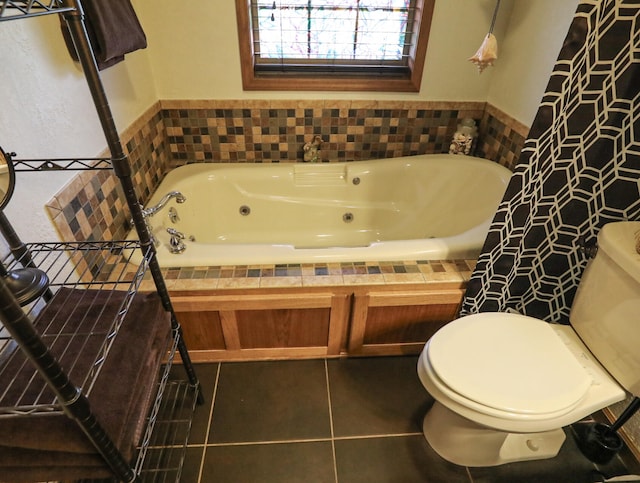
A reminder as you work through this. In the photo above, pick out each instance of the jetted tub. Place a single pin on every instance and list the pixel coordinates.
(425, 207)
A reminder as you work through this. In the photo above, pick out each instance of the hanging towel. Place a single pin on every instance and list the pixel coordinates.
(113, 29)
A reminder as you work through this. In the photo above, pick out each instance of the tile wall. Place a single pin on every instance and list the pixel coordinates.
(267, 132)
(91, 206)
(171, 133)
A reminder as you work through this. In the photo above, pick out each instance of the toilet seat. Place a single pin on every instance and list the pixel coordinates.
(507, 366)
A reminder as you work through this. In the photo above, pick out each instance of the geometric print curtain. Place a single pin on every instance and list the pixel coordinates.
(579, 169)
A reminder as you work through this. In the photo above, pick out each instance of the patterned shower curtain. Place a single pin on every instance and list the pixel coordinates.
(579, 169)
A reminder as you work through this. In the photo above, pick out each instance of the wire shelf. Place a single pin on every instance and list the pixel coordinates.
(61, 164)
(162, 451)
(162, 458)
(13, 9)
(78, 333)
(102, 268)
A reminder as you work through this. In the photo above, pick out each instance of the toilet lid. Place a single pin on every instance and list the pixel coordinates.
(508, 362)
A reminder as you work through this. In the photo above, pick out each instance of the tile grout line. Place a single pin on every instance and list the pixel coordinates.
(209, 420)
(266, 443)
(469, 474)
(333, 443)
(306, 440)
(377, 436)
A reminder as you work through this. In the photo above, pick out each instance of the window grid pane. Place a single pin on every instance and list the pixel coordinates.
(347, 32)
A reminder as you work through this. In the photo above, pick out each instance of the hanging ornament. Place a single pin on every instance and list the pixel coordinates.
(488, 51)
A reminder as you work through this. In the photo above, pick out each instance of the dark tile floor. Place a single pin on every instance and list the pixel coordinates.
(337, 420)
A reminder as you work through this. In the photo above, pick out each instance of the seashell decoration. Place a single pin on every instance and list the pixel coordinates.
(488, 51)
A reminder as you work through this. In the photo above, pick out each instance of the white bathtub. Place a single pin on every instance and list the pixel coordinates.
(425, 207)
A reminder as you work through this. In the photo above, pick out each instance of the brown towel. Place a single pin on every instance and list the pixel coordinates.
(51, 446)
(113, 29)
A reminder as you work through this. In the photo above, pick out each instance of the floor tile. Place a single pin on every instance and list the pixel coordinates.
(271, 401)
(401, 459)
(207, 374)
(271, 423)
(310, 462)
(191, 466)
(375, 396)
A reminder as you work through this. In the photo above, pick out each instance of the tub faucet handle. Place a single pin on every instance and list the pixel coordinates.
(173, 215)
(176, 245)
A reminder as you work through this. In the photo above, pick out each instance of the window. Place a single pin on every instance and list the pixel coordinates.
(333, 44)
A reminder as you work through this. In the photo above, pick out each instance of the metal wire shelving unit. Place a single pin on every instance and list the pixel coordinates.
(47, 350)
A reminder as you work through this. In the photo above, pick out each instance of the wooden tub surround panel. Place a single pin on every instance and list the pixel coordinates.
(280, 324)
(309, 322)
(385, 323)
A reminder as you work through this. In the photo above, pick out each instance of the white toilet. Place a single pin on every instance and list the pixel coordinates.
(505, 384)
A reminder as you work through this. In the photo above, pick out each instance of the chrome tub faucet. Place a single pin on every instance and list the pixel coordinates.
(149, 212)
(180, 198)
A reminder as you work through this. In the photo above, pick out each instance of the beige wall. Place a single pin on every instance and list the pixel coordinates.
(47, 111)
(528, 51)
(205, 64)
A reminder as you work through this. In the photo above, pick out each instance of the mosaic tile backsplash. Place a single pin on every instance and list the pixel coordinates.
(264, 132)
(171, 133)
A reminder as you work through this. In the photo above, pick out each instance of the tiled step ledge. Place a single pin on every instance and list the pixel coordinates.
(315, 275)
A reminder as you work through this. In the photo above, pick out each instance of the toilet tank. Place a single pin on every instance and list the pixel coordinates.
(606, 308)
